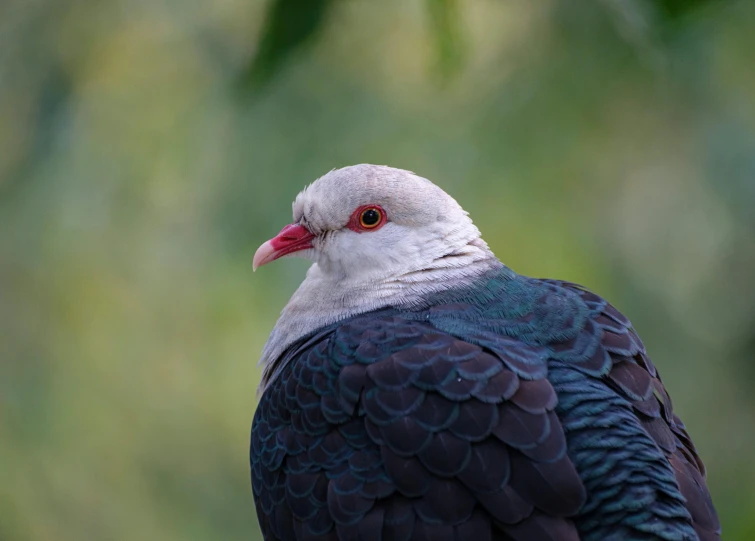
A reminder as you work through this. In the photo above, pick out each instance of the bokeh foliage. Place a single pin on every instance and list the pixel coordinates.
(147, 148)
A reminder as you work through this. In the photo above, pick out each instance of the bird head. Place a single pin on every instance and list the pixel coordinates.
(367, 222)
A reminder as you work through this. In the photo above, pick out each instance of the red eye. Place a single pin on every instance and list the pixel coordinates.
(367, 218)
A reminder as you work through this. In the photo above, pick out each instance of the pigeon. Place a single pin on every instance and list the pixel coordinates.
(415, 388)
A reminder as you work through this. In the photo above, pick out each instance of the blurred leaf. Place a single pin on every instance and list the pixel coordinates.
(447, 34)
(134, 193)
(54, 94)
(649, 24)
(289, 25)
(671, 11)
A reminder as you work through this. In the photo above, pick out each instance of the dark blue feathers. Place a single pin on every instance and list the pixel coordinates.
(518, 410)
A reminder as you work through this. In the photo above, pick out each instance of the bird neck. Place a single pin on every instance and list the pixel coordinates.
(321, 301)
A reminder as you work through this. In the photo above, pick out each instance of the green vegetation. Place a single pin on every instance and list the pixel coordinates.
(148, 148)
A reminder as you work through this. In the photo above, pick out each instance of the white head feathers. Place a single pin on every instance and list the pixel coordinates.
(427, 243)
(423, 223)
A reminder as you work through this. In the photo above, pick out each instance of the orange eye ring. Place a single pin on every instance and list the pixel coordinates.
(370, 218)
(367, 218)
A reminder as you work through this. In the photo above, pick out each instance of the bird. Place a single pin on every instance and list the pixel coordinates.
(415, 388)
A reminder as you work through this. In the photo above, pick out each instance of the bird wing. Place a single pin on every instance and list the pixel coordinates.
(611, 398)
(447, 427)
(387, 428)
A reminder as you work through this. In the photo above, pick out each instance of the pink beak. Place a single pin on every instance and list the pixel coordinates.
(292, 238)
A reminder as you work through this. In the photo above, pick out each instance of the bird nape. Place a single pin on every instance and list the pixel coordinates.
(415, 388)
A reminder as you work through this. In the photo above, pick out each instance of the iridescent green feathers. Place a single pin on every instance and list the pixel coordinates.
(514, 409)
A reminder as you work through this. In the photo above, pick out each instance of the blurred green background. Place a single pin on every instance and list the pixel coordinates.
(148, 147)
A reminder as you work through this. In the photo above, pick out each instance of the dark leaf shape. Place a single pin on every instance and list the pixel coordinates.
(447, 33)
(288, 25)
(672, 13)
